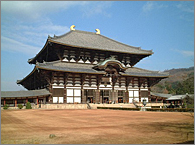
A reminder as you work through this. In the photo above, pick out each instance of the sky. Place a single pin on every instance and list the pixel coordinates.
(166, 27)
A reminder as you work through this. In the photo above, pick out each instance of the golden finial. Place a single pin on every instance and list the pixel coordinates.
(97, 31)
(72, 27)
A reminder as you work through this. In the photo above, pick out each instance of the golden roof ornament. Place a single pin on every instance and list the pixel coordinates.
(97, 31)
(72, 27)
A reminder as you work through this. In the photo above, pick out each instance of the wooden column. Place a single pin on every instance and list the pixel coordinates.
(149, 90)
(65, 94)
(127, 82)
(98, 89)
(4, 101)
(149, 97)
(66, 75)
(15, 102)
(126, 99)
(99, 78)
(37, 101)
(26, 100)
(139, 85)
(83, 97)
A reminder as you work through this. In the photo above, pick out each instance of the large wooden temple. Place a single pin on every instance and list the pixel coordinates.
(81, 67)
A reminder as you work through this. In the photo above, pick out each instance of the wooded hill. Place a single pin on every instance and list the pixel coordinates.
(180, 81)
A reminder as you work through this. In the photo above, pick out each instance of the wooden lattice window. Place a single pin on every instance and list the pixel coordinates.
(58, 92)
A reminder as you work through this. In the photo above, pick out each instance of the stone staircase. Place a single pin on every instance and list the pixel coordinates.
(119, 105)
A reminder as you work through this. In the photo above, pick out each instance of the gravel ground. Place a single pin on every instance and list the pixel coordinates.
(95, 127)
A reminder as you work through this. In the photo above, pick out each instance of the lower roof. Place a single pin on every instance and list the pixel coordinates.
(30, 93)
(88, 69)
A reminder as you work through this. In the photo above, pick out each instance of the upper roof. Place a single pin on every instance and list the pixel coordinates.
(92, 40)
(30, 93)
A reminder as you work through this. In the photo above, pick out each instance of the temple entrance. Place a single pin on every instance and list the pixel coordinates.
(120, 99)
(106, 100)
(89, 99)
(105, 96)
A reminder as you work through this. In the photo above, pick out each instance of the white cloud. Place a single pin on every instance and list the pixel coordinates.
(8, 44)
(186, 7)
(186, 53)
(151, 5)
(21, 37)
(33, 10)
(97, 8)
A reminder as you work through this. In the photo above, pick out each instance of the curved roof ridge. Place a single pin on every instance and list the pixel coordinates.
(54, 37)
(151, 70)
(134, 47)
(93, 33)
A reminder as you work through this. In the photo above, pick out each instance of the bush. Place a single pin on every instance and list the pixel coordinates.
(116, 108)
(28, 105)
(171, 109)
(5, 107)
(20, 106)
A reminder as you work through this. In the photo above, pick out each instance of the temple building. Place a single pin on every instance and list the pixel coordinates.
(81, 67)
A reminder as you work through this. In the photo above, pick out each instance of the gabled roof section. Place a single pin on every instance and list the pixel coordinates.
(92, 40)
(110, 61)
(30, 93)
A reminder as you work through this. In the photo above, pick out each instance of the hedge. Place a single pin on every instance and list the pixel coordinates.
(171, 109)
(152, 109)
(116, 108)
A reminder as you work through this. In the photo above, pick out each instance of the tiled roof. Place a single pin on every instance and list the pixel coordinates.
(180, 97)
(161, 95)
(88, 68)
(92, 40)
(30, 93)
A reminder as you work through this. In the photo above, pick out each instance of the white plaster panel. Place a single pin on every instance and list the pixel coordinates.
(61, 99)
(69, 99)
(77, 99)
(55, 99)
(136, 93)
(130, 93)
(77, 92)
(69, 92)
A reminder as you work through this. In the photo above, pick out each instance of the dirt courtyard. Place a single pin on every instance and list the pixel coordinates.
(95, 127)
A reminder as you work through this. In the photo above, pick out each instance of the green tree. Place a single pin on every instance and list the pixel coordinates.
(28, 105)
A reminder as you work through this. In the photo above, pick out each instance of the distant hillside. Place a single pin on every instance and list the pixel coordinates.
(180, 81)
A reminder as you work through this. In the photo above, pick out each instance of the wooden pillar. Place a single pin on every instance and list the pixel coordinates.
(15, 102)
(83, 97)
(65, 94)
(126, 99)
(98, 94)
(149, 96)
(127, 82)
(37, 101)
(4, 102)
(66, 75)
(139, 85)
(26, 100)
(139, 94)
